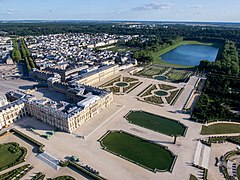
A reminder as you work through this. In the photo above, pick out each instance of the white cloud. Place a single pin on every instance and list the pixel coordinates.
(10, 11)
(196, 6)
(152, 6)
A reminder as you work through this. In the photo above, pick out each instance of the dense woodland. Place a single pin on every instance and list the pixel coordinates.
(220, 99)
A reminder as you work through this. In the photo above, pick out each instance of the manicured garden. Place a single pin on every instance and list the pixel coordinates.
(11, 154)
(157, 93)
(151, 71)
(139, 151)
(220, 128)
(121, 84)
(156, 123)
(17, 173)
(64, 178)
(170, 74)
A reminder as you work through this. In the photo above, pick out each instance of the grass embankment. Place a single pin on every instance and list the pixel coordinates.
(156, 123)
(220, 128)
(141, 152)
(157, 59)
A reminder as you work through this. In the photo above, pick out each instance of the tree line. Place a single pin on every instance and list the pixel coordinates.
(16, 55)
(145, 55)
(228, 64)
(26, 55)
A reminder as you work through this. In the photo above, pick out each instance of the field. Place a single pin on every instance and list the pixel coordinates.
(156, 55)
(11, 154)
(139, 151)
(220, 128)
(157, 123)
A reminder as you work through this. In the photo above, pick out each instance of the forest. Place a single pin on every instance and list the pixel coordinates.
(220, 99)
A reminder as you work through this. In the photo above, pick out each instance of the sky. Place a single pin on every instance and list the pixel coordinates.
(149, 10)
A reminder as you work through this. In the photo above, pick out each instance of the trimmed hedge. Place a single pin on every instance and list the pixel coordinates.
(39, 176)
(88, 173)
(15, 172)
(64, 178)
(19, 133)
(20, 159)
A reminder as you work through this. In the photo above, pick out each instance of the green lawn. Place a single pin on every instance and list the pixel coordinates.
(10, 158)
(139, 151)
(156, 123)
(156, 55)
(220, 128)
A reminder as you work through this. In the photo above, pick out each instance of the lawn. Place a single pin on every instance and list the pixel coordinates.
(156, 55)
(157, 123)
(139, 151)
(11, 154)
(220, 128)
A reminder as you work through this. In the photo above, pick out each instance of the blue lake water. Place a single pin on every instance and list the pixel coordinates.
(190, 54)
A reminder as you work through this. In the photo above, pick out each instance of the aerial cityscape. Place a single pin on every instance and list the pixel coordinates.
(122, 90)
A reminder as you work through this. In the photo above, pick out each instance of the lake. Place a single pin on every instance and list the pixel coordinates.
(190, 54)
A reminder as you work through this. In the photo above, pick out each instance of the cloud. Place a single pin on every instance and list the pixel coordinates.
(10, 11)
(196, 6)
(152, 6)
(50, 11)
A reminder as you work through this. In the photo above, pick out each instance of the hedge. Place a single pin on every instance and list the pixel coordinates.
(15, 172)
(19, 133)
(80, 168)
(18, 161)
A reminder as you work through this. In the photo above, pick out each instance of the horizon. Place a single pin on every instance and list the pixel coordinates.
(141, 10)
(117, 20)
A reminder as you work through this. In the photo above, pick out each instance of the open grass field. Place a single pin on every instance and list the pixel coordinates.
(139, 151)
(156, 55)
(156, 123)
(220, 128)
(10, 154)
